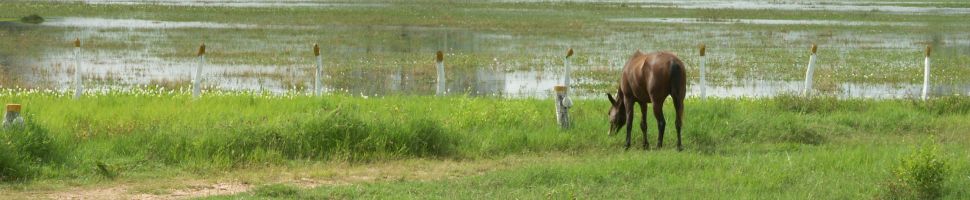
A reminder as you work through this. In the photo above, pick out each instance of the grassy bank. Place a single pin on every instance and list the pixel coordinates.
(846, 171)
(810, 144)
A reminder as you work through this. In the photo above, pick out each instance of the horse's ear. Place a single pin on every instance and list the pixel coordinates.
(612, 101)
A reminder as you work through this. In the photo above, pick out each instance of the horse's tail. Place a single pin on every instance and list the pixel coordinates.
(676, 73)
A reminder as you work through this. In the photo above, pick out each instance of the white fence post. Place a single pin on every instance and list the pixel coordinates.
(317, 90)
(566, 69)
(78, 87)
(809, 72)
(703, 72)
(439, 62)
(196, 84)
(563, 103)
(926, 73)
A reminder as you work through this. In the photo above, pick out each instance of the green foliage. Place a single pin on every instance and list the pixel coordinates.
(818, 104)
(918, 176)
(121, 134)
(105, 171)
(32, 19)
(276, 191)
(959, 105)
(24, 147)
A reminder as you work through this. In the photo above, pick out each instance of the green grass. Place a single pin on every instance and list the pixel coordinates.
(779, 147)
(828, 172)
(784, 147)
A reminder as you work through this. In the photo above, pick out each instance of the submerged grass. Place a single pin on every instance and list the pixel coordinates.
(510, 36)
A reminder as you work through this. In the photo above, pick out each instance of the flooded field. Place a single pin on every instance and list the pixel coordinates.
(503, 49)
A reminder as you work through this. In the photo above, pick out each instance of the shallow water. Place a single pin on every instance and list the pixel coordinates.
(237, 3)
(382, 60)
(765, 21)
(82, 22)
(840, 6)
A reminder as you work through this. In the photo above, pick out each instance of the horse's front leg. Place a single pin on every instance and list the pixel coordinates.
(629, 120)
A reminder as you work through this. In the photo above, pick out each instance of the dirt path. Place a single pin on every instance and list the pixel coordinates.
(306, 176)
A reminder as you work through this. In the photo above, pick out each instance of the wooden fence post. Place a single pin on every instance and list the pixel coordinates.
(562, 106)
(78, 87)
(12, 116)
(703, 72)
(439, 62)
(317, 90)
(197, 83)
(811, 70)
(926, 73)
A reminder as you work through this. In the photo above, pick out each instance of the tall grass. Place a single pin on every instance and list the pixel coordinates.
(23, 147)
(131, 133)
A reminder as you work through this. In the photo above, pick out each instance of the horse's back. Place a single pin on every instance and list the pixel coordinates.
(649, 75)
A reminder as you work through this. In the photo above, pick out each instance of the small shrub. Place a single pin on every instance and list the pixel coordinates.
(819, 104)
(427, 138)
(24, 147)
(32, 19)
(13, 165)
(802, 134)
(813, 104)
(918, 176)
(703, 142)
(945, 105)
(105, 170)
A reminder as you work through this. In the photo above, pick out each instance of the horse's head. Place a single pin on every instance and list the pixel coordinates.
(617, 118)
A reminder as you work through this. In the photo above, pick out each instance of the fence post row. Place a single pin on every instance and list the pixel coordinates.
(196, 84)
(319, 72)
(12, 116)
(926, 73)
(811, 70)
(562, 100)
(703, 72)
(439, 62)
(78, 88)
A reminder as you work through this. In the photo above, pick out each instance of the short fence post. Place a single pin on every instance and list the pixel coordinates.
(562, 106)
(196, 84)
(703, 72)
(926, 73)
(439, 62)
(12, 117)
(319, 72)
(810, 71)
(78, 87)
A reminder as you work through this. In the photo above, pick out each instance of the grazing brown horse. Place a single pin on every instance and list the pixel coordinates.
(649, 78)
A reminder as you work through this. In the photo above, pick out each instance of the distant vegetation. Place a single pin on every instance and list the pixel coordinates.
(32, 19)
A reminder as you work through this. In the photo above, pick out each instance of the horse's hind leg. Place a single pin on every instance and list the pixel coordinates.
(679, 105)
(658, 112)
(643, 125)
